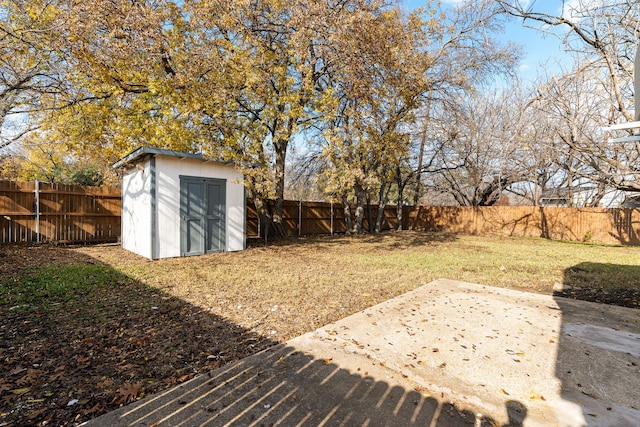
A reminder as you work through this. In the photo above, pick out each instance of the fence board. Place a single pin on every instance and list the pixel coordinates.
(316, 218)
(597, 225)
(58, 213)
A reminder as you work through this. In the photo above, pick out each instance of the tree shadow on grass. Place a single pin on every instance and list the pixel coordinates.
(79, 338)
(391, 239)
(407, 239)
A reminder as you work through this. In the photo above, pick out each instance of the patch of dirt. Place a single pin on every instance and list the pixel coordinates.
(623, 297)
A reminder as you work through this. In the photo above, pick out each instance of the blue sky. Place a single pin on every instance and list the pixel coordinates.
(538, 49)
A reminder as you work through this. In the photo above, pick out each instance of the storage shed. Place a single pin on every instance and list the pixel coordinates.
(180, 204)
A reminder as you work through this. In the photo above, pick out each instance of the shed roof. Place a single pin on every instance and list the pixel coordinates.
(140, 153)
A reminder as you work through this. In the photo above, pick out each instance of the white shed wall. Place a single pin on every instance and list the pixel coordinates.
(168, 171)
(136, 210)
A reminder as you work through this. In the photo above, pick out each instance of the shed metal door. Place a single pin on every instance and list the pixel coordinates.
(202, 213)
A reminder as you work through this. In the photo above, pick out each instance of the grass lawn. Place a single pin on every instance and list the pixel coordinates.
(102, 326)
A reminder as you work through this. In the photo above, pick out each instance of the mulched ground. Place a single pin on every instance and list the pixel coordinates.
(66, 364)
(622, 297)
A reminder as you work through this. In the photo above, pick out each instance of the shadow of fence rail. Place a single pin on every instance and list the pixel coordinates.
(284, 386)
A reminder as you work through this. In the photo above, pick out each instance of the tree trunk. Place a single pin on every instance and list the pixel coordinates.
(400, 199)
(281, 155)
(379, 216)
(570, 181)
(544, 225)
(423, 142)
(369, 213)
(266, 222)
(347, 214)
(383, 195)
(359, 190)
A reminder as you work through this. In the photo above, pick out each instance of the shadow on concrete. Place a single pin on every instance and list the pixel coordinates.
(283, 386)
(599, 344)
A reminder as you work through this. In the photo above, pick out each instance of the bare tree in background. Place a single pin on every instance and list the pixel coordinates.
(476, 151)
(602, 33)
(598, 91)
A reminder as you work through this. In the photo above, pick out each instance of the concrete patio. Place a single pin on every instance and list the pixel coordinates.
(446, 354)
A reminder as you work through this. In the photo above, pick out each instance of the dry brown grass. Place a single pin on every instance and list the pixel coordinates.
(292, 287)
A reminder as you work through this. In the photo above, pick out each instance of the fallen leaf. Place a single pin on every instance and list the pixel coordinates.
(503, 391)
(127, 393)
(18, 371)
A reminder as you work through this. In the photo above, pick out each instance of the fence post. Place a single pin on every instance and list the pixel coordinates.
(299, 218)
(332, 218)
(37, 191)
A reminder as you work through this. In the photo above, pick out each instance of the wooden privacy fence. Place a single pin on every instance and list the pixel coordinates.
(43, 212)
(306, 218)
(597, 225)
